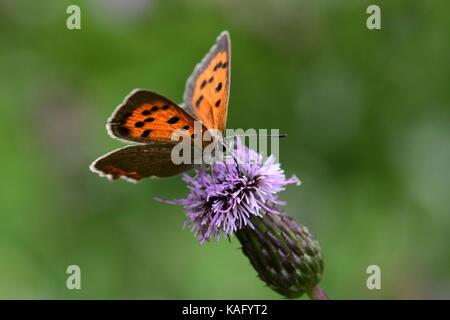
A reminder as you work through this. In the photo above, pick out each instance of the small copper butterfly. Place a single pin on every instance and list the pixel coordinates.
(149, 119)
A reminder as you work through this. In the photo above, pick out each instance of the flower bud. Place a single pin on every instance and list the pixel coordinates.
(285, 255)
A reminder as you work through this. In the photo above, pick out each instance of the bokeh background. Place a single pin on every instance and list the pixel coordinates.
(366, 113)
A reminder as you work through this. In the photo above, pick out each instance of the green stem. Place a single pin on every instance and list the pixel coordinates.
(317, 293)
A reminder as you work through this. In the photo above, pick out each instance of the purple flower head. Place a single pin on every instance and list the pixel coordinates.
(224, 204)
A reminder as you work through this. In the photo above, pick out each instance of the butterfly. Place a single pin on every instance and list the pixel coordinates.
(149, 119)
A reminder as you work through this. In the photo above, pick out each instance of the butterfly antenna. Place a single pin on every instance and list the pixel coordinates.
(282, 135)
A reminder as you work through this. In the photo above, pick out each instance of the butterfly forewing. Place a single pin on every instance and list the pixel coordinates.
(207, 89)
(147, 116)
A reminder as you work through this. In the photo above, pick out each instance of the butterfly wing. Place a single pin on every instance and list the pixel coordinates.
(150, 119)
(138, 161)
(146, 117)
(208, 88)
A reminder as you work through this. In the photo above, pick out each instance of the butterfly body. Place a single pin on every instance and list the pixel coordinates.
(149, 119)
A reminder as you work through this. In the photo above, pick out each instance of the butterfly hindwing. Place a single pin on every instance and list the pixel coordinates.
(138, 161)
(207, 89)
(147, 116)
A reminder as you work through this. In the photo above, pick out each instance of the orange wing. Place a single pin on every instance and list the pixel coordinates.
(208, 88)
(148, 117)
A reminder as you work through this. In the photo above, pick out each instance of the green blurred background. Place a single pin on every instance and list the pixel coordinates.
(366, 113)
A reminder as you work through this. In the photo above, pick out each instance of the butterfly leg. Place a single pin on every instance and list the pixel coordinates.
(196, 175)
(198, 170)
(239, 166)
(213, 176)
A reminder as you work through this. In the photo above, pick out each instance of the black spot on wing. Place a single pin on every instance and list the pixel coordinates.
(217, 66)
(146, 133)
(199, 100)
(173, 120)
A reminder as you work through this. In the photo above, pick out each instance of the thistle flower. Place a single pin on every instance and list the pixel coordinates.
(242, 198)
(224, 203)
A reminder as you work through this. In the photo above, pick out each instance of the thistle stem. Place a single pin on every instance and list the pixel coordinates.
(317, 293)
